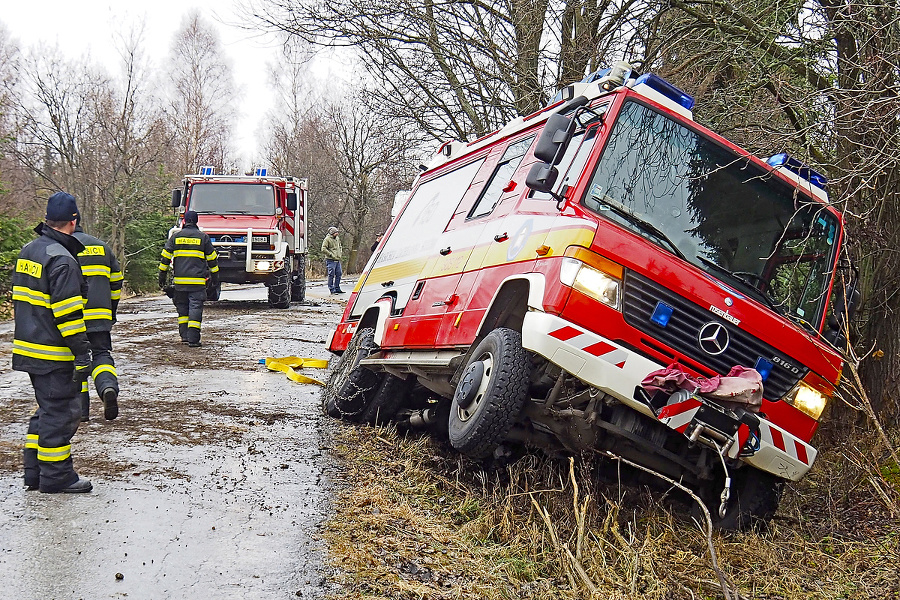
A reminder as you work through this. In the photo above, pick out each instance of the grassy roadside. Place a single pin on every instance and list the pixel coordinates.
(416, 520)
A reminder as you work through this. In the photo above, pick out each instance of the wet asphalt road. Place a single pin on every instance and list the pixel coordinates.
(213, 482)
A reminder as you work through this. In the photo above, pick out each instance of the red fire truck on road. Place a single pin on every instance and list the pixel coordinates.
(537, 275)
(257, 224)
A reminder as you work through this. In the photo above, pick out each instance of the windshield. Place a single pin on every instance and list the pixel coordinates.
(233, 198)
(716, 210)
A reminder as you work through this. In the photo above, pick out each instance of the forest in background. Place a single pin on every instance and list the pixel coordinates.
(817, 79)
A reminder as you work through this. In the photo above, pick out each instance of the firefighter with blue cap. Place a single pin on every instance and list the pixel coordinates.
(192, 257)
(103, 276)
(50, 343)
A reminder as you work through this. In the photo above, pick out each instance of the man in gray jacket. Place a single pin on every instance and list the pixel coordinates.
(331, 248)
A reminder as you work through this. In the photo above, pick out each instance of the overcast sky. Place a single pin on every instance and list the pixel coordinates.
(90, 27)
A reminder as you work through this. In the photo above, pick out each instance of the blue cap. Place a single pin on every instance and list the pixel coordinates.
(62, 207)
(191, 217)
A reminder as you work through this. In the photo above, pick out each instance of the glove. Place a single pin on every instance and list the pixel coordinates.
(214, 279)
(82, 368)
(162, 279)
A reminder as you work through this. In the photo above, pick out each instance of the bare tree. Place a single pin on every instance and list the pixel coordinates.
(462, 69)
(202, 97)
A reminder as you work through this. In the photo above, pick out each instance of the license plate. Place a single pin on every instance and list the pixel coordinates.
(260, 238)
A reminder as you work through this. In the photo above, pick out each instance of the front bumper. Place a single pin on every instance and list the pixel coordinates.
(618, 371)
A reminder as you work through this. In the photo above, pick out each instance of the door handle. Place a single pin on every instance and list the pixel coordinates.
(445, 251)
(387, 283)
(501, 237)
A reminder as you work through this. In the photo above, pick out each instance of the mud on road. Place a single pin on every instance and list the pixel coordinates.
(212, 483)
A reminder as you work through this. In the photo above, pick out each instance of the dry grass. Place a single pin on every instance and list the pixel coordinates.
(416, 520)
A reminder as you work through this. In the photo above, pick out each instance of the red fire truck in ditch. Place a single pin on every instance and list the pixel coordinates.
(536, 276)
(257, 224)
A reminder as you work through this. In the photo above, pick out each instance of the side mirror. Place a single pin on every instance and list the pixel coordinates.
(291, 201)
(542, 177)
(176, 198)
(554, 139)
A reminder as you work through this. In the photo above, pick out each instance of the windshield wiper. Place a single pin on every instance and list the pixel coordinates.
(638, 222)
(747, 285)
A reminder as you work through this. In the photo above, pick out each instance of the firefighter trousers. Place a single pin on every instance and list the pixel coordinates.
(48, 450)
(190, 314)
(103, 370)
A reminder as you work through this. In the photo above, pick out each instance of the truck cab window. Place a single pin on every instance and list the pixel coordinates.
(715, 209)
(500, 178)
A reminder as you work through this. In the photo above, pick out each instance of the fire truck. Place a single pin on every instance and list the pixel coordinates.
(258, 225)
(536, 276)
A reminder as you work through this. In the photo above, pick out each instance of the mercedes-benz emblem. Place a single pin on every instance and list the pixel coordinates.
(226, 238)
(713, 338)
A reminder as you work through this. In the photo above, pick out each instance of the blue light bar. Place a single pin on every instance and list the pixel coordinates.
(666, 89)
(206, 170)
(764, 367)
(661, 314)
(795, 166)
(261, 172)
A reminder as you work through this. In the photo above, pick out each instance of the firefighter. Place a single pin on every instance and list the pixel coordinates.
(192, 257)
(103, 277)
(331, 248)
(50, 343)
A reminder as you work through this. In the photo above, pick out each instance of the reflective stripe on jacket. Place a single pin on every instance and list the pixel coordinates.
(103, 275)
(48, 301)
(192, 257)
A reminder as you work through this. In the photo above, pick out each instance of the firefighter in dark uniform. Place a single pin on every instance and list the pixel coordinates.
(50, 343)
(192, 257)
(103, 275)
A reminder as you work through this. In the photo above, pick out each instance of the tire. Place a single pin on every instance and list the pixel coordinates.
(350, 387)
(754, 499)
(479, 428)
(298, 279)
(279, 292)
(386, 401)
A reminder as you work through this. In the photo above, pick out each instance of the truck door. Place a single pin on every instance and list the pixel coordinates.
(415, 239)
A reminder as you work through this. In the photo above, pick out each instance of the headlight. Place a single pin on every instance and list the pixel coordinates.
(807, 400)
(591, 282)
(263, 265)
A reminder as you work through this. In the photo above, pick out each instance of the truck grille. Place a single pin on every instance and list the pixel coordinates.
(641, 296)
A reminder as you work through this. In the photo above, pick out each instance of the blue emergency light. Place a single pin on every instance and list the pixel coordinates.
(795, 166)
(764, 367)
(665, 88)
(206, 170)
(661, 314)
(261, 172)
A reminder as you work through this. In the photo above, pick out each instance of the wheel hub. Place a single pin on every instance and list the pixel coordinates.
(477, 375)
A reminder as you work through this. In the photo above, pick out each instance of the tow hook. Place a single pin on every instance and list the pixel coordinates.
(726, 494)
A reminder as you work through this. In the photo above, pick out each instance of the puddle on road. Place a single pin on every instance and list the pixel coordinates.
(211, 484)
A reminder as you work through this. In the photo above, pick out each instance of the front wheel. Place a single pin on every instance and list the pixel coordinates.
(754, 499)
(490, 395)
(279, 292)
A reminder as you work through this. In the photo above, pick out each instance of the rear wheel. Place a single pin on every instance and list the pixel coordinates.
(350, 386)
(386, 400)
(298, 279)
(279, 292)
(490, 395)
